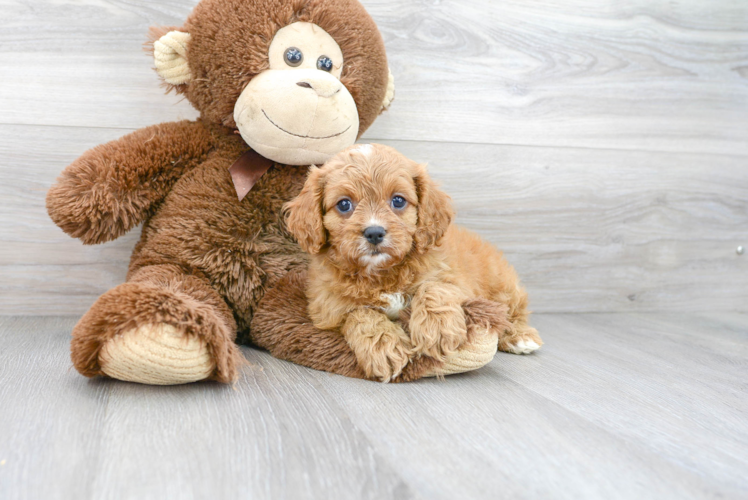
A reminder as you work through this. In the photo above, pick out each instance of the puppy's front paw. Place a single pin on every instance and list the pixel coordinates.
(382, 348)
(522, 341)
(436, 329)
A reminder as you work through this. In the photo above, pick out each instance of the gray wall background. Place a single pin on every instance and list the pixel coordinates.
(602, 145)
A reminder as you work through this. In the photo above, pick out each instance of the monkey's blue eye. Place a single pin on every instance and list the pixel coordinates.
(344, 206)
(324, 63)
(398, 202)
(293, 56)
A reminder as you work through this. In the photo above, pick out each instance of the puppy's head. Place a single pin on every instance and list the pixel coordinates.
(371, 207)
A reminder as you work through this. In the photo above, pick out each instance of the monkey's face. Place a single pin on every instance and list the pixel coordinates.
(298, 112)
(300, 80)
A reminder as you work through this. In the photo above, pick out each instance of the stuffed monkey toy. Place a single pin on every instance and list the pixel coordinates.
(280, 85)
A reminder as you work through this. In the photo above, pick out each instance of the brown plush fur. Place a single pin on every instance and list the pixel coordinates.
(205, 259)
(423, 256)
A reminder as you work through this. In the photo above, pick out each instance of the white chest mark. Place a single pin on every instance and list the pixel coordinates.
(396, 303)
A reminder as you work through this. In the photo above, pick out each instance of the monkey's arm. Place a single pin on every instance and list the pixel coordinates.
(112, 187)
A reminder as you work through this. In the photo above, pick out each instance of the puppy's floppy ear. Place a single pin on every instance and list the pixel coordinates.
(434, 211)
(303, 214)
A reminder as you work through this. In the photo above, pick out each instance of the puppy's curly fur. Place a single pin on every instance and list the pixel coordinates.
(423, 261)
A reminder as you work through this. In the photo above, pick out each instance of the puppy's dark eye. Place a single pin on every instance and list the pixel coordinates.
(398, 202)
(344, 206)
(324, 63)
(293, 56)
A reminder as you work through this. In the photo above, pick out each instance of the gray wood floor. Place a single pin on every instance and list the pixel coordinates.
(632, 406)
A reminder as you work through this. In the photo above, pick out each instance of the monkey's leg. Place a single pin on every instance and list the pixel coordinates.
(162, 327)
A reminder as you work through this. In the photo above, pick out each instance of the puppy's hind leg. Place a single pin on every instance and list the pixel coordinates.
(518, 337)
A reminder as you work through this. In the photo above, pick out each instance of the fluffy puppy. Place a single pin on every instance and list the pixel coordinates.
(382, 239)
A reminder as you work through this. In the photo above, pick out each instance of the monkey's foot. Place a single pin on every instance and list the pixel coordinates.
(474, 354)
(140, 332)
(156, 354)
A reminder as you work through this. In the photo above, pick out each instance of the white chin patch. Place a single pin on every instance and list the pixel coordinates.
(374, 261)
(297, 117)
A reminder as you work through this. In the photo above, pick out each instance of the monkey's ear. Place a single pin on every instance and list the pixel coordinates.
(389, 96)
(170, 55)
(303, 214)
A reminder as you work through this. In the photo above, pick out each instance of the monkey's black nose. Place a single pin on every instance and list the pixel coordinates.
(374, 234)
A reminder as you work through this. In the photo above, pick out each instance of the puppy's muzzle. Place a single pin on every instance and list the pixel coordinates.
(374, 234)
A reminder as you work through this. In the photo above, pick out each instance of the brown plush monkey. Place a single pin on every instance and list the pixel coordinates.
(280, 85)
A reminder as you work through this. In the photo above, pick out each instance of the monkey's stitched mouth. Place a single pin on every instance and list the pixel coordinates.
(303, 136)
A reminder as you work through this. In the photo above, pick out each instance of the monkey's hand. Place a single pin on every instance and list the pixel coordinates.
(111, 188)
(381, 347)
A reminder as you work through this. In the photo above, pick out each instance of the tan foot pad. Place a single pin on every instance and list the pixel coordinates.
(470, 357)
(157, 355)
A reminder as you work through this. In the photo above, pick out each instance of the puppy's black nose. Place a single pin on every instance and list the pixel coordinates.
(374, 234)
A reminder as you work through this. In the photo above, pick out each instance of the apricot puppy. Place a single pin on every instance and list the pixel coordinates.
(381, 237)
